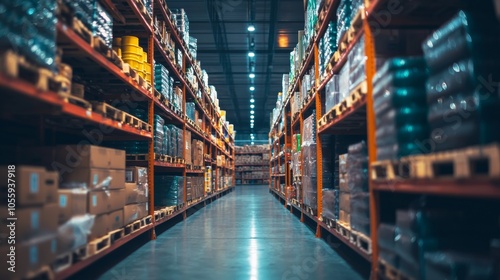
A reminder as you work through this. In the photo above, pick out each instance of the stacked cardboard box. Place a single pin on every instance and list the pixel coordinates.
(188, 154)
(28, 217)
(197, 153)
(194, 187)
(357, 172)
(136, 194)
(101, 175)
(344, 194)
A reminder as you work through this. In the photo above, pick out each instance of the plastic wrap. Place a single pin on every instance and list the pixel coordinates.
(345, 201)
(467, 34)
(296, 163)
(343, 18)
(387, 234)
(102, 24)
(309, 158)
(360, 212)
(190, 110)
(162, 80)
(344, 81)
(331, 204)
(37, 21)
(133, 212)
(167, 190)
(73, 234)
(159, 134)
(457, 265)
(308, 135)
(357, 172)
(166, 140)
(332, 93)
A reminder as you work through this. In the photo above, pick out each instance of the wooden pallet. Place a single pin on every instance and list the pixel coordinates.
(358, 94)
(160, 214)
(137, 157)
(169, 210)
(146, 221)
(112, 56)
(329, 223)
(116, 235)
(62, 262)
(344, 230)
(126, 69)
(98, 245)
(77, 101)
(17, 66)
(311, 211)
(132, 227)
(472, 162)
(45, 272)
(385, 170)
(80, 254)
(363, 242)
(108, 111)
(100, 46)
(388, 272)
(82, 31)
(134, 75)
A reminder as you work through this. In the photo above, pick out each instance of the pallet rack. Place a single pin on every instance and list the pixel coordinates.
(244, 170)
(43, 109)
(359, 119)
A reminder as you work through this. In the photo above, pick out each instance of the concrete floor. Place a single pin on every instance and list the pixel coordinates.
(246, 234)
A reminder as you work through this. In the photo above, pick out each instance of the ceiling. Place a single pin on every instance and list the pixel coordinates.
(220, 26)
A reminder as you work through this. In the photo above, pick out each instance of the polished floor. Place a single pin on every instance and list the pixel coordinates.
(246, 234)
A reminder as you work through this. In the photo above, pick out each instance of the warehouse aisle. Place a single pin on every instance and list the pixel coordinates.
(245, 235)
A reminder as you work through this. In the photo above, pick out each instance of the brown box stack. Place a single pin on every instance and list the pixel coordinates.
(136, 194)
(187, 138)
(35, 210)
(197, 153)
(345, 195)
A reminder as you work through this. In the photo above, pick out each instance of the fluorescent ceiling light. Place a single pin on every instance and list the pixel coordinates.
(251, 75)
(252, 88)
(252, 121)
(252, 143)
(252, 106)
(251, 28)
(252, 100)
(251, 54)
(252, 112)
(252, 117)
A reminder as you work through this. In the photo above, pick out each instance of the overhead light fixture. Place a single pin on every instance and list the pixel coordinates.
(282, 41)
(252, 112)
(252, 88)
(252, 121)
(252, 143)
(252, 100)
(252, 106)
(251, 28)
(251, 54)
(251, 75)
(252, 117)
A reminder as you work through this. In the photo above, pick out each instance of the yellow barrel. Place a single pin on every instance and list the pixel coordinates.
(145, 56)
(130, 41)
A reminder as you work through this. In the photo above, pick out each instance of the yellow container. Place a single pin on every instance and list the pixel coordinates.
(145, 56)
(131, 56)
(147, 68)
(148, 77)
(130, 41)
(134, 64)
(117, 42)
(133, 49)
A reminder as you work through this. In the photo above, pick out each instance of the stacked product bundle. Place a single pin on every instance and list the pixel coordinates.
(307, 84)
(182, 23)
(462, 55)
(159, 134)
(191, 110)
(356, 6)
(332, 93)
(357, 172)
(193, 46)
(208, 179)
(177, 98)
(310, 20)
(169, 190)
(176, 147)
(431, 242)
(194, 188)
(38, 20)
(327, 46)
(344, 81)
(136, 194)
(400, 107)
(102, 24)
(296, 164)
(163, 83)
(166, 140)
(343, 19)
(344, 216)
(187, 147)
(197, 153)
(357, 64)
(308, 149)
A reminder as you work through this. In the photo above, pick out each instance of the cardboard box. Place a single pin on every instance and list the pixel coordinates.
(115, 219)
(80, 156)
(52, 185)
(93, 178)
(30, 256)
(100, 227)
(101, 202)
(74, 233)
(71, 203)
(345, 218)
(134, 212)
(188, 154)
(29, 182)
(32, 221)
(345, 202)
(135, 194)
(137, 174)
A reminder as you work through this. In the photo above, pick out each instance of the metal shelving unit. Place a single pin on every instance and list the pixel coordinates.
(39, 105)
(245, 175)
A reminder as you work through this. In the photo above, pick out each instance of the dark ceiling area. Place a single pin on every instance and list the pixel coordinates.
(220, 26)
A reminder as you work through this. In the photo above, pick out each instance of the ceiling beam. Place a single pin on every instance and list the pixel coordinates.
(271, 42)
(219, 32)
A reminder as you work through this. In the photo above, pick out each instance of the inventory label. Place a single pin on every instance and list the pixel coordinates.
(11, 218)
